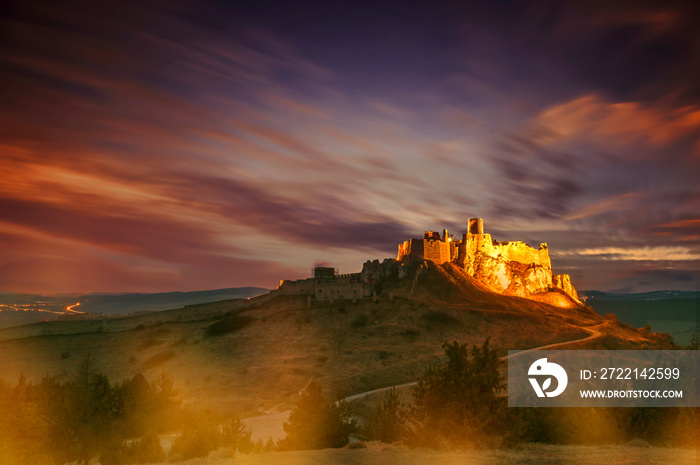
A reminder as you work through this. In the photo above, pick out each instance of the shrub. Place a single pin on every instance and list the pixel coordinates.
(316, 423)
(387, 421)
(146, 450)
(458, 403)
(229, 324)
(199, 437)
(236, 436)
(360, 321)
(439, 317)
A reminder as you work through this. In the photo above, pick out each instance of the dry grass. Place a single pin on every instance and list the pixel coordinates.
(380, 454)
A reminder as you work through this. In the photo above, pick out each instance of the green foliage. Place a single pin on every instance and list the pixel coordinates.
(199, 436)
(203, 433)
(387, 421)
(236, 436)
(81, 419)
(228, 325)
(458, 404)
(316, 423)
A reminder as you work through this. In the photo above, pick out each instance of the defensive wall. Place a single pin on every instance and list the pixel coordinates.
(509, 267)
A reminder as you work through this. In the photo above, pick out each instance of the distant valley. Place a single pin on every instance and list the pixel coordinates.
(673, 312)
(18, 309)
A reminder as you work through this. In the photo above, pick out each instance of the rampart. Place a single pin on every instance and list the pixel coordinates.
(509, 267)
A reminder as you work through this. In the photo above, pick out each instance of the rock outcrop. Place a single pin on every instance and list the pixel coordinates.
(509, 267)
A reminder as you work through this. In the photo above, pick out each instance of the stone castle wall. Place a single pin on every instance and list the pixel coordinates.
(509, 267)
(327, 288)
(436, 250)
(297, 287)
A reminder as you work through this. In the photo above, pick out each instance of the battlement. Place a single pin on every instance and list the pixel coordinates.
(326, 285)
(509, 267)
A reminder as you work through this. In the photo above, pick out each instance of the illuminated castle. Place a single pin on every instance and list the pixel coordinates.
(509, 267)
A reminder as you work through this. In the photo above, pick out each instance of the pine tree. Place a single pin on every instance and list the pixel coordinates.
(316, 423)
(458, 403)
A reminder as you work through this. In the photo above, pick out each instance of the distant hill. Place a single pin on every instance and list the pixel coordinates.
(20, 309)
(119, 304)
(673, 312)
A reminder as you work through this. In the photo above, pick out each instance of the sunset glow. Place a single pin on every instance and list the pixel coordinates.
(199, 145)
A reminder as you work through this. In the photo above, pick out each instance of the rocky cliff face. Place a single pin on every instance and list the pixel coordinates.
(509, 267)
(514, 268)
(512, 278)
(563, 282)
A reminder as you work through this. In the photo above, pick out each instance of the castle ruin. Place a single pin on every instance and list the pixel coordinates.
(508, 267)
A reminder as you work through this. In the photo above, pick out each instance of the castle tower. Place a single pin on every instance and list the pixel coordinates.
(476, 226)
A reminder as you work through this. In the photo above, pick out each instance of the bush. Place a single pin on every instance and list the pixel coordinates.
(387, 421)
(439, 317)
(360, 321)
(316, 423)
(236, 436)
(459, 403)
(229, 324)
(199, 437)
(146, 450)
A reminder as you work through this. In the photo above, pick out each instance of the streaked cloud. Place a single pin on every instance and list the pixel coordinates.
(196, 145)
(660, 253)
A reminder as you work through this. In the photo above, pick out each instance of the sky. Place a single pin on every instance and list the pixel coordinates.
(151, 146)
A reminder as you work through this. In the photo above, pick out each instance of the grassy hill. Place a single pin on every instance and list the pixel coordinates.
(252, 355)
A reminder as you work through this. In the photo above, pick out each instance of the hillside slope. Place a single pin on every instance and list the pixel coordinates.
(256, 354)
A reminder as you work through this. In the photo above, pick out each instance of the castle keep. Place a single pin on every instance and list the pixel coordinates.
(508, 267)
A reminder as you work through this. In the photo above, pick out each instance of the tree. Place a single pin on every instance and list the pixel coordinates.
(316, 423)
(236, 436)
(458, 403)
(387, 421)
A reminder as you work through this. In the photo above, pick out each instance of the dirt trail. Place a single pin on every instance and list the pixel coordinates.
(270, 425)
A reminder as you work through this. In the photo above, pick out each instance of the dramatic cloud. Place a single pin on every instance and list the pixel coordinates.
(639, 253)
(190, 145)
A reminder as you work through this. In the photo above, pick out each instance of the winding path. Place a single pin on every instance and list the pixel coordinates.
(594, 333)
(270, 425)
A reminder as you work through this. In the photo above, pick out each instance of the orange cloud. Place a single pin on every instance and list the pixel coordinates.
(622, 123)
(609, 204)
